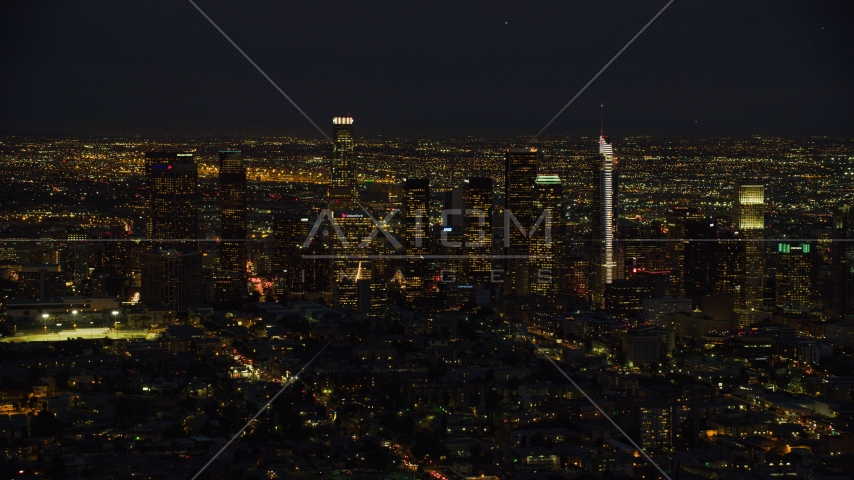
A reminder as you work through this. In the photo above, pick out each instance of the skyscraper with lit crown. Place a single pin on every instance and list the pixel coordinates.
(344, 191)
(749, 222)
(547, 252)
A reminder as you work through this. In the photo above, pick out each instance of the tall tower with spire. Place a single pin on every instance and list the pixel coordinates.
(605, 220)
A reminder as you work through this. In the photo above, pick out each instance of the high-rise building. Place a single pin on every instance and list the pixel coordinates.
(679, 221)
(749, 221)
(172, 199)
(575, 273)
(453, 207)
(477, 228)
(642, 348)
(729, 266)
(794, 273)
(352, 261)
(416, 215)
(417, 235)
(172, 270)
(605, 218)
(451, 266)
(654, 422)
(41, 281)
(626, 296)
(77, 261)
(520, 173)
(547, 252)
(297, 266)
(172, 279)
(344, 189)
(232, 198)
(841, 290)
(115, 258)
(636, 240)
(749, 206)
(699, 253)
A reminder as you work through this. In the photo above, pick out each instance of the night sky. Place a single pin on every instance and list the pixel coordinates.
(413, 68)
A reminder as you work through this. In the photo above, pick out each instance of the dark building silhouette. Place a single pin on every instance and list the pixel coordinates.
(679, 223)
(172, 270)
(171, 180)
(41, 282)
(295, 263)
(232, 198)
(172, 278)
(520, 173)
(477, 228)
(841, 290)
(699, 252)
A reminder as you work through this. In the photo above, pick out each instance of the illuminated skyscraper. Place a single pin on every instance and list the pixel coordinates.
(749, 221)
(172, 204)
(344, 189)
(352, 261)
(749, 206)
(605, 220)
(793, 278)
(520, 173)
(77, 261)
(232, 198)
(417, 235)
(416, 215)
(548, 251)
(477, 228)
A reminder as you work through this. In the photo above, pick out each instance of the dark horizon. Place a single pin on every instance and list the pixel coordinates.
(703, 69)
(512, 138)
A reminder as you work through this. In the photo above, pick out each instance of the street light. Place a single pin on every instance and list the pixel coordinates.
(45, 317)
(116, 326)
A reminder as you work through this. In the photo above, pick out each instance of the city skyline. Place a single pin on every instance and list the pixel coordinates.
(384, 241)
